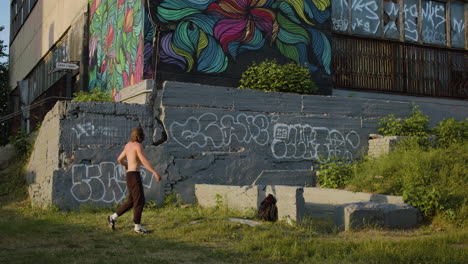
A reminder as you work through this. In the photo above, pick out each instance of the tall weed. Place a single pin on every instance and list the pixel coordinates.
(433, 179)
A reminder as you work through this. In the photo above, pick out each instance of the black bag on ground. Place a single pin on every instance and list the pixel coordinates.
(268, 210)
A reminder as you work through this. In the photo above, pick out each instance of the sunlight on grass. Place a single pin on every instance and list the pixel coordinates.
(196, 235)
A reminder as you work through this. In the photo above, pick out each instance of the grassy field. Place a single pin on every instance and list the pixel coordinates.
(195, 235)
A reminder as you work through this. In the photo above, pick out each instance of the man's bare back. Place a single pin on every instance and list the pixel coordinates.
(133, 151)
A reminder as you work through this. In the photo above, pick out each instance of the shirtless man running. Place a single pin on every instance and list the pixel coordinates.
(133, 151)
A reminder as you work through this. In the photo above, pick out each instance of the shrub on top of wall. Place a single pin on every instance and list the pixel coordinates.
(416, 125)
(95, 96)
(273, 77)
(449, 131)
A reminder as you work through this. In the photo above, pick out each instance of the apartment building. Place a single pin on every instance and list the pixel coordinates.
(42, 33)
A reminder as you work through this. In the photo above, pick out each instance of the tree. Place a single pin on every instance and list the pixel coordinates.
(4, 92)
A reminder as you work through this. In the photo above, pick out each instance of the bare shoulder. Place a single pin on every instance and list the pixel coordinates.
(133, 146)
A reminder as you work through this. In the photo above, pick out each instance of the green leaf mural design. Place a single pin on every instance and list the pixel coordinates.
(116, 33)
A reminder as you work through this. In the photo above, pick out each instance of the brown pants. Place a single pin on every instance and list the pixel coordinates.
(136, 197)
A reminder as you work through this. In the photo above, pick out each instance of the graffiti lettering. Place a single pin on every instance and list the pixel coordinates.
(457, 25)
(300, 141)
(411, 17)
(89, 130)
(208, 130)
(365, 17)
(340, 15)
(101, 131)
(433, 23)
(102, 183)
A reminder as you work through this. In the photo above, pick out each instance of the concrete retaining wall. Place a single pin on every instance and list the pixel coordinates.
(198, 134)
(322, 202)
(290, 201)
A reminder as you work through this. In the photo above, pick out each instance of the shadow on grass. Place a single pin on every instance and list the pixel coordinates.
(46, 236)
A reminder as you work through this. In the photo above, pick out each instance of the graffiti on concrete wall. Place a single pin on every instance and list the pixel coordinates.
(299, 141)
(209, 32)
(101, 131)
(103, 183)
(115, 44)
(210, 131)
(285, 141)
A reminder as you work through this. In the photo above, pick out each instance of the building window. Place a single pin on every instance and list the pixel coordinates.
(410, 14)
(20, 10)
(366, 17)
(433, 23)
(391, 13)
(419, 21)
(457, 25)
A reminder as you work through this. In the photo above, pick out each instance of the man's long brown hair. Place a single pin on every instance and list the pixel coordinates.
(137, 135)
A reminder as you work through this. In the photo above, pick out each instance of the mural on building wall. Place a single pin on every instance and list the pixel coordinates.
(210, 35)
(117, 44)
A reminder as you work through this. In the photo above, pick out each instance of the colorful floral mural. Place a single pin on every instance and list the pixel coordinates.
(210, 32)
(116, 44)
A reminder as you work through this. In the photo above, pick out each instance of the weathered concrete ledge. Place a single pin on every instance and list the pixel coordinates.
(369, 214)
(348, 209)
(290, 201)
(322, 202)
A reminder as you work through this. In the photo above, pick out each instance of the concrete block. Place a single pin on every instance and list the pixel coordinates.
(358, 215)
(369, 214)
(196, 95)
(286, 177)
(138, 93)
(260, 101)
(320, 105)
(290, 200)
(236, 197)
(322, 202)
(400, 215)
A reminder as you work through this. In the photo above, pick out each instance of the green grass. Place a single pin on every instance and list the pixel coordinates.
(190, 234)
(195, 235)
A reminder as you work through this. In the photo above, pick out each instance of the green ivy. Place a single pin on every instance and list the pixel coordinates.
(95, 96)
(273, 77)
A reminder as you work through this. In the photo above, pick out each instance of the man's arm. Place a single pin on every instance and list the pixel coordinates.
(121, 160)
(146, 163)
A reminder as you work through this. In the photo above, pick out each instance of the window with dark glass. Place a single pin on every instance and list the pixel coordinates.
(365, 16)
(457, 25)
(390, 19)
(433, 22)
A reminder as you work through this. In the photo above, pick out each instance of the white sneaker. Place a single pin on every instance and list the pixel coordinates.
(141, 230)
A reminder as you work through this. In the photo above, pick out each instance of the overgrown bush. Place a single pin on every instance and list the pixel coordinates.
(95, 96)
(416, 125)
(274, 77)
(435, 180)
(23, 144)
(450, 131)
(335, 174)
